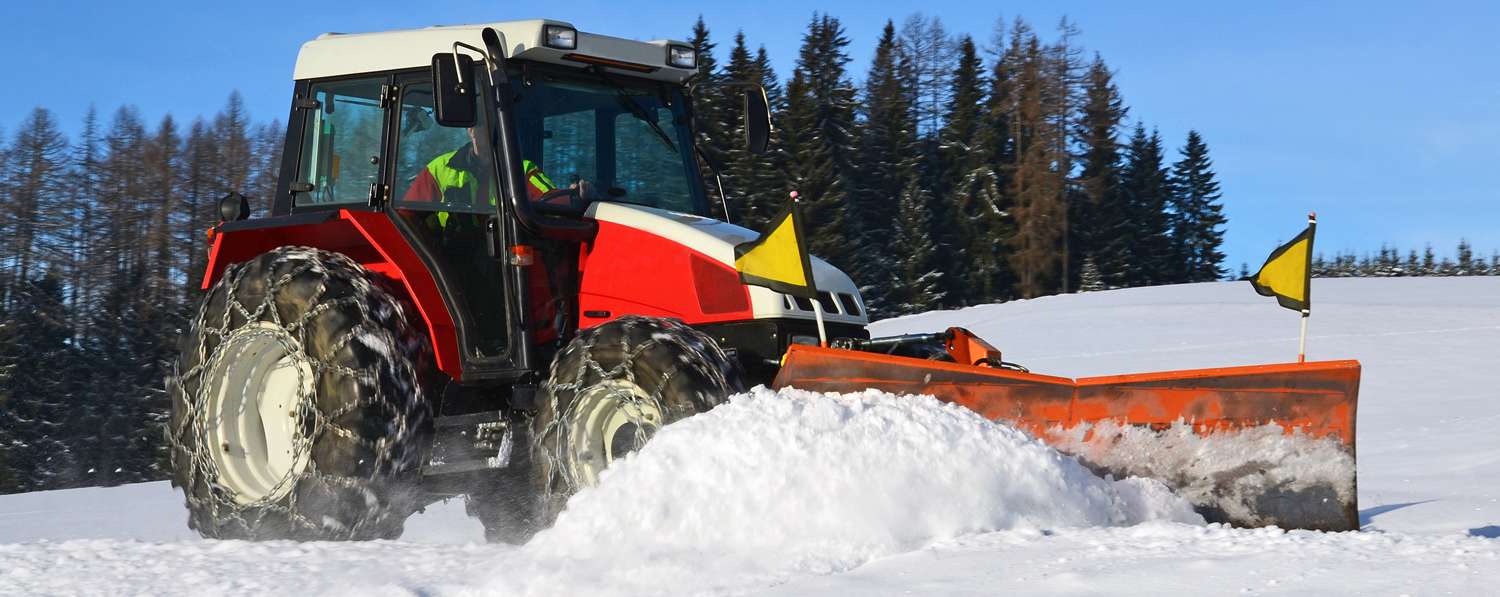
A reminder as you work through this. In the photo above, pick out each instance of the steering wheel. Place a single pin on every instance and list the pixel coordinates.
(566, 201)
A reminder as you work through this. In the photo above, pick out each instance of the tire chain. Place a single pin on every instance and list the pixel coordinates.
(697, 350)
(394, 389)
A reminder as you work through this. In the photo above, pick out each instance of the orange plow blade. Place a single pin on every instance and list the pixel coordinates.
(1252, 446)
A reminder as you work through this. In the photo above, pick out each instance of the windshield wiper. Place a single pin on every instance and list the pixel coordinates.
(637, 110)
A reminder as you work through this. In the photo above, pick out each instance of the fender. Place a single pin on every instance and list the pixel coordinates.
(369, 238)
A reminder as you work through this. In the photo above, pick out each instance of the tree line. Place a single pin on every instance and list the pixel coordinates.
(955, 173)
(104, 248)
(960, 173)
(1388, 262)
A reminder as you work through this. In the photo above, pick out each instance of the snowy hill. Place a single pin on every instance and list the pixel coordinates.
(873, 494)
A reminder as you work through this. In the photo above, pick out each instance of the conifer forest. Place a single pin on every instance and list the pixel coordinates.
(956, 171)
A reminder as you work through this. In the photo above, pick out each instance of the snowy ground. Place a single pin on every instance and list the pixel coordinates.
(872, 494)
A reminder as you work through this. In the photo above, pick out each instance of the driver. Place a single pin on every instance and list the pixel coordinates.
(456, 177)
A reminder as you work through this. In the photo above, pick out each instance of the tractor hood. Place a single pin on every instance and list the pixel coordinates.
(717, 239)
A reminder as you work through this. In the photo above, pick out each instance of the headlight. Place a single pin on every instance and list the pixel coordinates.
(560, 37)
(682, 57)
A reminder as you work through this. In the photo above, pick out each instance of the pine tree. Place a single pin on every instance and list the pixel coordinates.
(86, 170)
(36, 352)
(1089, 278)
(266, 145)
(1061, 103)
(37, 174)
(961, 155)
(200, 195)
(133, 341)
(1099, 213)
(885, 159)
(1465, 265)
(8, 345)
(915, 287)
(709, 107)
(817, 132)
(1197, 214)
(982, 197)
(1036, 185)
(1144, 186)
(926, 54)
(235, 149)
(163, 166)
(123, 189)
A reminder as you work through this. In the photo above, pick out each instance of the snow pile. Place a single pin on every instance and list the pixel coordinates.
(1229, 470)
(793, 482)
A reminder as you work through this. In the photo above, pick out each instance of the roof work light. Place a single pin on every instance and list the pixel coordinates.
(682, 57)
(560, 37)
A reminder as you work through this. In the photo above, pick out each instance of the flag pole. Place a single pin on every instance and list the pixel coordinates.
(818, 313)
(817, 305)
(1302, 342)
(1312, 222)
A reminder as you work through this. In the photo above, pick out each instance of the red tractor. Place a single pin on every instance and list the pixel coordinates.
(488, 271)
(488, 244)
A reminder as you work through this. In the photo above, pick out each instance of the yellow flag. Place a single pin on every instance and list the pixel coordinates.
(778, 259)
(1287, 273)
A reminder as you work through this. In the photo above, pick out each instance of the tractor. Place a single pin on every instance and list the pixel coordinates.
(489, 270)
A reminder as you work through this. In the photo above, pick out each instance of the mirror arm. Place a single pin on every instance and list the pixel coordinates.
(459, 72)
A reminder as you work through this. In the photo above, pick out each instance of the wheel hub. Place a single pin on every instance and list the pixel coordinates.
(614, 418)
(257, 386)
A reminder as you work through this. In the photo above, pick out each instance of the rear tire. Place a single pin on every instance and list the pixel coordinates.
(611, 389)
(298, 409)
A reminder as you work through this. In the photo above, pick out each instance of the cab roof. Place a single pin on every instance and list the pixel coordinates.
(336, 54)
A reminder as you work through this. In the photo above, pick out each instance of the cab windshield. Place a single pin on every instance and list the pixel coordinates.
(612, 138)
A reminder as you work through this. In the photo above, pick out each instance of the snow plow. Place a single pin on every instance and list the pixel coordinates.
(1252, 446)
(489, 271)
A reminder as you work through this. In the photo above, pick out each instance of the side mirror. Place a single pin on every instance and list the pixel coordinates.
(757, 119)
(454, 97)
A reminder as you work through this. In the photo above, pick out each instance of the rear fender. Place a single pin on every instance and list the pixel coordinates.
(369, 238)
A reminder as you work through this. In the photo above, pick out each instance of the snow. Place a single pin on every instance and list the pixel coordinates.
(803, 493)
(776, 484)
(1231, 471)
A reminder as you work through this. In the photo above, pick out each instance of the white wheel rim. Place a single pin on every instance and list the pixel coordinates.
(258, 383)
(604, 412)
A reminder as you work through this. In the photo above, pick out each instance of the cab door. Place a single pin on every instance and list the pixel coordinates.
(445, 199)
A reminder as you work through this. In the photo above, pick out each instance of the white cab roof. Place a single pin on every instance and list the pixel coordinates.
(335, 54)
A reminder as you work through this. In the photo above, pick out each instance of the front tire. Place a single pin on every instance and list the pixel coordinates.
(298, 408)
(611, 389)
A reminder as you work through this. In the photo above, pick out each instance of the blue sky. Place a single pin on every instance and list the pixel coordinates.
(1383, 117)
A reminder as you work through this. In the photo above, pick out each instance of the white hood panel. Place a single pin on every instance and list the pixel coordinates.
(717, 240)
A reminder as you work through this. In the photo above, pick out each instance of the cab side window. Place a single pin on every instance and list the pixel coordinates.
(421, 140)
(341, 143)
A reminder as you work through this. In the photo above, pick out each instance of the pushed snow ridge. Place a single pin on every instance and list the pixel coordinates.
(779, 483)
